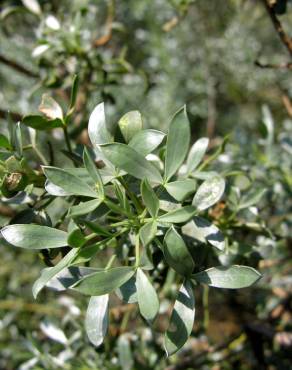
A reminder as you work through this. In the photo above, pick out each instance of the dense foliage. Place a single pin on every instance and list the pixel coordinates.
(141, 213)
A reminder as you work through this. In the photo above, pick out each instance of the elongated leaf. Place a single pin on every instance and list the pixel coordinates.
(179, 215)
(209, 193)
(68, 182)
(73, 97)
(104, 282)
(84, 208)
(128, 292)
(127, 159)
(41, 123)
(34, 236)
(181, 320)
(145, 141)
(251, 199)
(179, 190)
(55, 190)
(96, 320)
(197, 153)
(147, 298)
(98, 131)
(178, 141)
(176, 253)
(93, 172)
(130, 124)
(148, 232)
(204, 231)
(149, 198)
(69, 276)
(50, 108)
(50, 272)
(233, 277)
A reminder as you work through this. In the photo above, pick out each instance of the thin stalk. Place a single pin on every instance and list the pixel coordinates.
(206, 307)
(110, 262)
(40, 155)
(67, 139)
(137, 251)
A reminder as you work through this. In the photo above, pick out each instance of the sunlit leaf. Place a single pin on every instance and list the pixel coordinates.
(96, 319)
(209, 193)
(145, 141)
(197, 153)
(179, 215)
(130, 124)
(147, 298)
(180, 189)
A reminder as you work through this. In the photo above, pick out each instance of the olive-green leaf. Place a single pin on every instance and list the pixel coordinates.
(84, 208)
(147, 232)
(145, 141)
(41, 123)
(176, 253)
(127, 159)
(130, 124)
(96, 319)
(93, 172)
(128, 292)
(49, 273)
(233, 277)
(178, 141)
(180, 189)
(179, 215)
(4, 142)
(197, 153)
(147, 298)
(68, 182)
(34, 236)
(103, 282)
(181, 320)
(209, 193)
(149, 197)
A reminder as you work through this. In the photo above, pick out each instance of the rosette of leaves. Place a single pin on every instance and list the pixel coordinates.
(145, 204)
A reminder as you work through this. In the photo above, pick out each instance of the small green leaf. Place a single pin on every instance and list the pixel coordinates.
(4, 142)
(93, 172)
(178, 141)
(68, 182)
(50, 108)
(130, 124)
(197, 153)
(73, 96)
(149, 198)
(181, 320)
(180, 189)
(147, 298)
(176, 253)
(49, 273)
(179, 215)
(145, 141)
(84, 208)
(103, 282)
(41, 123)
(34, 236)
(96, 320)
(251, 198)
(147, 232)
(209, 193)
(233, 277)
(75, 238)
(127, 159)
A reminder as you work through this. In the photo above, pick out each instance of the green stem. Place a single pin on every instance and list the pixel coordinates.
(67, 139)
(137, 251)
(110, 262)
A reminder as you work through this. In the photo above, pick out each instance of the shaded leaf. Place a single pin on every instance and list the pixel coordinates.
(84, 208)
(233, 277)
(41, 123)
(178, 141)
(176, 253)
(149, 197)
(103, 282)
(251, 199)
(181, 320)
(128, 292)
(147, 232)
(68, 182)
(127, 159)
(93, 172)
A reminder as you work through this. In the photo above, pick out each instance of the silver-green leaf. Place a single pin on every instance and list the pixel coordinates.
(147, 298)
(209, 193)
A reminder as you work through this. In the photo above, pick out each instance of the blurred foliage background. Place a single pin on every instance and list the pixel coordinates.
(227, 63)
